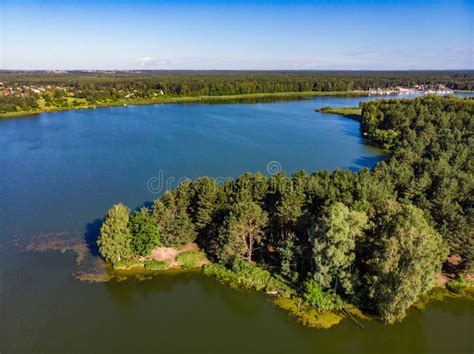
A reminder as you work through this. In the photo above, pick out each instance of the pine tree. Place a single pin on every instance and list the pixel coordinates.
(241, 232)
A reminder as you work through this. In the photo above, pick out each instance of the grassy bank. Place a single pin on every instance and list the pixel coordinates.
(348, 112)
(180, 99)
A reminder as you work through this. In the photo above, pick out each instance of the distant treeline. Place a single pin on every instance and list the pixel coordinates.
(211, 83)
(37, 91)
(375, 238)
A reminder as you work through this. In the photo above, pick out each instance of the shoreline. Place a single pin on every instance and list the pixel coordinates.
(292, 304)
(463, 91)
(185, 99)
(207, 99)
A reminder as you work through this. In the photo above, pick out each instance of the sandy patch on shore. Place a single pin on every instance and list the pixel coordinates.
(169, 254)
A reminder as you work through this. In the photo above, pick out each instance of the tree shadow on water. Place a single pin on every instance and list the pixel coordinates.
(368, 161)
(147, 204)
(91, 236)
(92, 231)
(365, 162)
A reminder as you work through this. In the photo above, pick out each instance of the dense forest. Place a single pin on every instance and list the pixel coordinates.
(89, 88)
(203, 83)
(374, 239)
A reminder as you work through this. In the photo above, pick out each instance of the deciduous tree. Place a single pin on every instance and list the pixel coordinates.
(115, 240)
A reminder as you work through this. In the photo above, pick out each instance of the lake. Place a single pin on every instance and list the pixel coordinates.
(60, 172)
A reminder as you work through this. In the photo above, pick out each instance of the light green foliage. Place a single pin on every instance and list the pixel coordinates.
(115, 240)
(191, 259)
(348, 112)
(323, 301)
(243, 274)
(127, 264)
(334, 242)
(241, 232)
(144, 232)
(407, 255)
(458, 284)
(156, 265)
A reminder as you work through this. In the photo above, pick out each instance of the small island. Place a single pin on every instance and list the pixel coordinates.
(326, 246)
(348, 112)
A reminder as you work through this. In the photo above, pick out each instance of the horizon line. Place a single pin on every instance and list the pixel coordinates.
(228, 70)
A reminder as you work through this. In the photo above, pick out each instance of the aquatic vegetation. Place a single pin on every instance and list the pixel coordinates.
(308, 315)
(244, 275)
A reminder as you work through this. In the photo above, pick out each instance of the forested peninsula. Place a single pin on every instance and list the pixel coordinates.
(33, 92)
(327, 243)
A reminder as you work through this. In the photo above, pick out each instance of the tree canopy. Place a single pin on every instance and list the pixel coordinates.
(115, 239)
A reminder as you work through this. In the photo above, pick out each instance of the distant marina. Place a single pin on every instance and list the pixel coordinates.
(422, 89)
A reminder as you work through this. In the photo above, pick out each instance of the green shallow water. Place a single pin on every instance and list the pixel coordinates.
(60, 173)
(45, 310)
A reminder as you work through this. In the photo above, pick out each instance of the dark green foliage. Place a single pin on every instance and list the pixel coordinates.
(172, 219)
(289, 253)
(204, 201)
(241, 232)
(432, 164)
(144, 232)
(237, 82)
(14, 103)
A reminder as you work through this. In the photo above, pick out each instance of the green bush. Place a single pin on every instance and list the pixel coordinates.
(156, 265)
(127, 263)
(322, 300)
(191, 259)
(457, 285)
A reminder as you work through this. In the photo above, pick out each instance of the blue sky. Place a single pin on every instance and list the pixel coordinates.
(236, 34)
